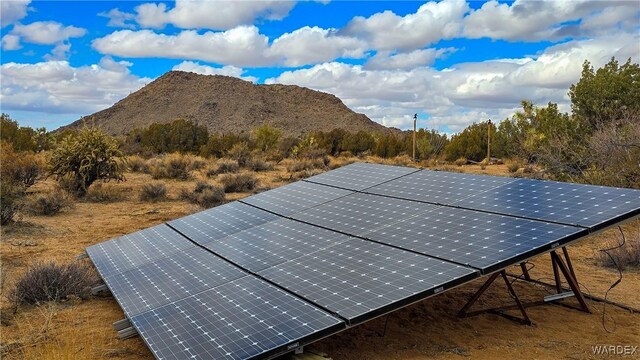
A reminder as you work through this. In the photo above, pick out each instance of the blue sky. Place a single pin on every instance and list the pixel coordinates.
(454, 62)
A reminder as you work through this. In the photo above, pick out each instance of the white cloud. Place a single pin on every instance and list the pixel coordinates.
(12, 11)
(406, 61)
(467, 92)
(432, 22)
(11, 42)
(59, 52)
(211, 14)
(311, 45)
(56, 87)
(241, 46)
(119, 18)
(228, 70)
(547, 20)
(46, 32)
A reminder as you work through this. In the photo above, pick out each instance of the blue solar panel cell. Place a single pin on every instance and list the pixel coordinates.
(483, 240)
(438, 187)
(360, 213)
(169, 279)
(574, 204)
(135, 249)
(221, 221)
(272, 243)
(360, 176)
(244, 319)
(295, 197)
(359, 279)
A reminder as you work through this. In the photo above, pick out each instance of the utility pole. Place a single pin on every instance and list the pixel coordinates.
(489, 142)
(415, 120)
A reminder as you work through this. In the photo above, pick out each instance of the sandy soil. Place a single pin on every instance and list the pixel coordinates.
(79, 329)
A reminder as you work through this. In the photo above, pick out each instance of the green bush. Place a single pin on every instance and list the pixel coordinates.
(240, 152)
(49, 281)
(153, 192)
(204, 194)
(238, 182)
(11, 195)
(49, 203)
(266, 137)
(90, 156)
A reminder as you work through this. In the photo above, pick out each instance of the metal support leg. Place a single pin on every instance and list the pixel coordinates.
(556, 274)
(525, 271)
(571, 280)
(498, 311)
(568, 260)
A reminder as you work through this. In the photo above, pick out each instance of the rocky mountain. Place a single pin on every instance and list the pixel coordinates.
(227, 104)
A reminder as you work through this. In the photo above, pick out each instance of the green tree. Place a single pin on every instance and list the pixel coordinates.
(266, 137)
(471, 143)
(604, 96)
(89, 156)
(177, 136)
(20, 137)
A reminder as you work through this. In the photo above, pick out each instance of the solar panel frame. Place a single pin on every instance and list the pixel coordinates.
(359, 176)
(295, 197)
(149, 324)
(341, 278)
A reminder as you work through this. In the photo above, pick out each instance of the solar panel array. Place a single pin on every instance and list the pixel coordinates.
(280, 269)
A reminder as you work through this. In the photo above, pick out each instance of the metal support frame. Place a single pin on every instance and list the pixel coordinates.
(559, 267)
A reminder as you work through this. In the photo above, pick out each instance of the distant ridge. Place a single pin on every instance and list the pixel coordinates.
(226, 104)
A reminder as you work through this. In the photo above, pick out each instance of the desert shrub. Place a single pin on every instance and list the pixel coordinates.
(155, 191)
(11, 195)
(257, 164)
(89, 156)
(196, 163)
(179, 135)
(24, 167)
(104, 193)
(402, 160)
(627, 256)
(305, 164)
(303, 174)
(460, 161)
(137, 164)
(20, 137)
(513, 167)
(224, 166)
(266, 137)
(49, 203)
(238, 182)
(240, 152)
(49, 281)
(173, 166)
(204, 194)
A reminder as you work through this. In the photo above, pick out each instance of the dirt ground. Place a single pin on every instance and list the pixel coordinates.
(81, 329)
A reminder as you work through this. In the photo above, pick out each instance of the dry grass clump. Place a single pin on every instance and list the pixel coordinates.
(461, 161)
(49, 203)
(257, 164)
(299, 175)
(137, 164)
(224, 166)
(513, 167)
(50, 281)
(104, 193)
(240, 152)
(204, 194)
(626, 257)
(238, 182)
(196, 162)
(172, 166)
(306, 164)
(155, 191)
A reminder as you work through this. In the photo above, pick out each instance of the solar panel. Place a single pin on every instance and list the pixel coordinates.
(359, 279)
(575, 204)
(359, 176)
(295, 197)
(359, 213)
(485, 241)
(169, 279)
(221, 221)
(242, 319)
(272, 243)
(135, 249)
(438, 187)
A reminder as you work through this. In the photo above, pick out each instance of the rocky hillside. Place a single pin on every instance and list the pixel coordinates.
(227, 104)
